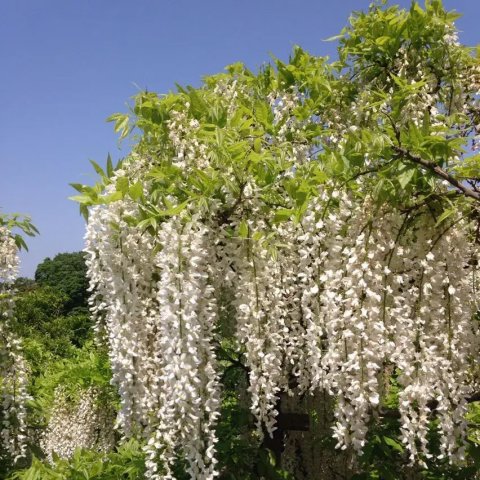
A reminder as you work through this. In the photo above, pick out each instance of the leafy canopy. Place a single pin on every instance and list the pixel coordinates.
(397, 110)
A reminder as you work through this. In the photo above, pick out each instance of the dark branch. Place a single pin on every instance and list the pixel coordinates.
(439, 172)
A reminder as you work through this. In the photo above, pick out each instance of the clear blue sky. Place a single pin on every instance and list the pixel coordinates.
(66, 65)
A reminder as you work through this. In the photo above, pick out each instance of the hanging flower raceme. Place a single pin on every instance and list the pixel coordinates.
(433, 305)
(187, 383)
(261, 313)
(121, 269)
(158, 312)
(13, 368)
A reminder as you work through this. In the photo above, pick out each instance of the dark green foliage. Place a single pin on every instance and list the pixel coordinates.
(51, 314)
(237, 446)
(55, 329)
(42, 318)
(39, 305)
(385, 458)
(24, 284)
(86, 368)
(89, 367)
(67, 273)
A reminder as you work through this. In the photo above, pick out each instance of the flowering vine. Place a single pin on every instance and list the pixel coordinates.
(337, 210)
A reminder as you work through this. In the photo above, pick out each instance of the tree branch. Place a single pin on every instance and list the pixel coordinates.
(439, 172)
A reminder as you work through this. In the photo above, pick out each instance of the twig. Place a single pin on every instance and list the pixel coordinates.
(439, 172)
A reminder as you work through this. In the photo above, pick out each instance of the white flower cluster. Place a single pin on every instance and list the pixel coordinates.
(261, 327)
(159, 311)
(121, 269)
(435, 339)
(13, 368)
(354, 290)
(187, 386)
(327, 304)
(189, 151)
(351, 295)
(398, 296)
(82, 424)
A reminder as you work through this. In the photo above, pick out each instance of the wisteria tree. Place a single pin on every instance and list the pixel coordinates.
(329, 213)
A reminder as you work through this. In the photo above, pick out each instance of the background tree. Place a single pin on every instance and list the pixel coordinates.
(42, 314)
(67, 273)
(24, 284)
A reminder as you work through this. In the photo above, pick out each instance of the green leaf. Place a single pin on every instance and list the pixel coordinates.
(96, 469)
(282, 215)
(113, 197)
(109, 166)
(84, 212)
(285, 73)
(445, 214)
(82, 199)
(174, 210)
(136, 191)
(198, 107)
(78, 187)
(416, 8)
(122, 185)
(20, 242)
(399, 81)
(121, 123)
(406, 176)
(98, 168)
(258, 235)
(243, 229)
(394, 444)
(257, 145)
(320, 176)
(264, 114)
(382, 40)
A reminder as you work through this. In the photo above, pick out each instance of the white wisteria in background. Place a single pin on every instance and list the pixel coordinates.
(75, 423)
(13, 369)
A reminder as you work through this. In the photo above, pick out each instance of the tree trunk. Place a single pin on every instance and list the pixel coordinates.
(302, 442)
